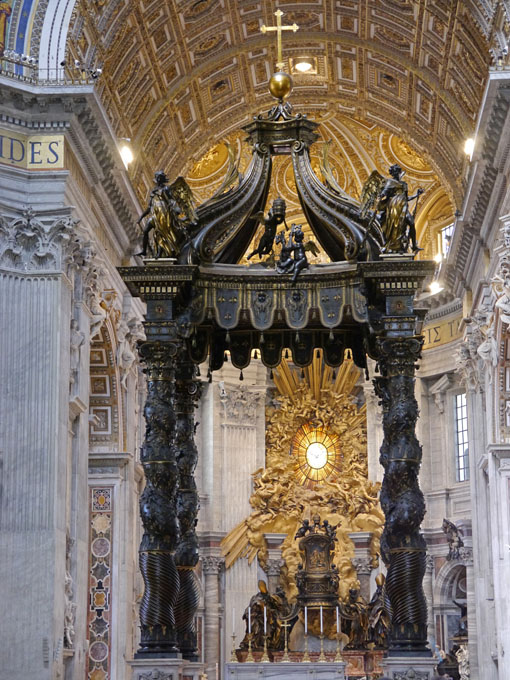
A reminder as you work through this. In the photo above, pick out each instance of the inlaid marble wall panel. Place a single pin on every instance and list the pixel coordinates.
(99, 609)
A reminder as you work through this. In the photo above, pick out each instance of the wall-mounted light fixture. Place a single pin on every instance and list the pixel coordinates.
(469, 147)
(126, 152)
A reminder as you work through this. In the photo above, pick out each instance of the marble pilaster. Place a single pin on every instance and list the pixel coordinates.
(374, 426)
(233, 412)
(212, 566)
(499, 481)
(428, 589)
(481, 614)
(274, 559)
(35, 298)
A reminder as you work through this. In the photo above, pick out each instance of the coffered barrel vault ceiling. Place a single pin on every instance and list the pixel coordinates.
(179, 75)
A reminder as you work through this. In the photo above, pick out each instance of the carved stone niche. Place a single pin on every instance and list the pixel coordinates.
(439, 388)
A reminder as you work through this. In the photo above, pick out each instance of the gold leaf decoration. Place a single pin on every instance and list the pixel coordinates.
(283, 497)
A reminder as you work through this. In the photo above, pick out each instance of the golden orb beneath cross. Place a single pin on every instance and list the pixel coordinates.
(280, 85)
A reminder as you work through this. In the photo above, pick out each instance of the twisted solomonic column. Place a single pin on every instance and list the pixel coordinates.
(403, 547)
(186, 394)
(158, 505)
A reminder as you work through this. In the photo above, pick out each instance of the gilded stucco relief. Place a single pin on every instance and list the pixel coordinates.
(282, 498)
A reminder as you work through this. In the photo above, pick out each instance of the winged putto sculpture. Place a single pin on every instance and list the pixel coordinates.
(293, 257)
(275, 216)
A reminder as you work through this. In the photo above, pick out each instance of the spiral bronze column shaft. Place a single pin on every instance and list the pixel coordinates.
(403, 547)
(158, 505)
(186, 395)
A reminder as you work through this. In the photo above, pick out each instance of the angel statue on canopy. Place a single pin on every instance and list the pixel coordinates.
(171, 216)
(390, 200)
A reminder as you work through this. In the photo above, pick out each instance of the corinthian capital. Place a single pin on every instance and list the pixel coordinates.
(212, 564)
(29, 243)
(240, 403)
(363, 565)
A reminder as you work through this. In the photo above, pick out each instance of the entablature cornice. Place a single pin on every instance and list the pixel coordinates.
(474, 230)
(77, 113)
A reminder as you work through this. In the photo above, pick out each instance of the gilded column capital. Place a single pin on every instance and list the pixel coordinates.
(274, 567)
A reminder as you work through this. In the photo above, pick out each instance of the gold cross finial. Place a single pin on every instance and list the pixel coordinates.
(279, 28)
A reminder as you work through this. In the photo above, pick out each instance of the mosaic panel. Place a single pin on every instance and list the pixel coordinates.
(100, 583)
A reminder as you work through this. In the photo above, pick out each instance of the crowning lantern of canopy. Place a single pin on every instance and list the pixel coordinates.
(221, 228)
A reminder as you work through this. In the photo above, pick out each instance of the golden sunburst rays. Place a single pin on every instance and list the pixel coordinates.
(317, 453)
(317, 377)
(315, 406)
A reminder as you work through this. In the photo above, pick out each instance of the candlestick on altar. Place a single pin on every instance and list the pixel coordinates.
(338, 655)
(337, 622)
(249, 619)
(265, 657)
(249, 656)
(233, 655)
(306, 620)
(306, 657)
(286, 657)
(322, 656)
(265, 622)
(321, 619)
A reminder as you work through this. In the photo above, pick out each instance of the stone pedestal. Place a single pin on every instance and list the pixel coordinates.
(192, 670)
(158, 669)
(409, 668)
(285, 671)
